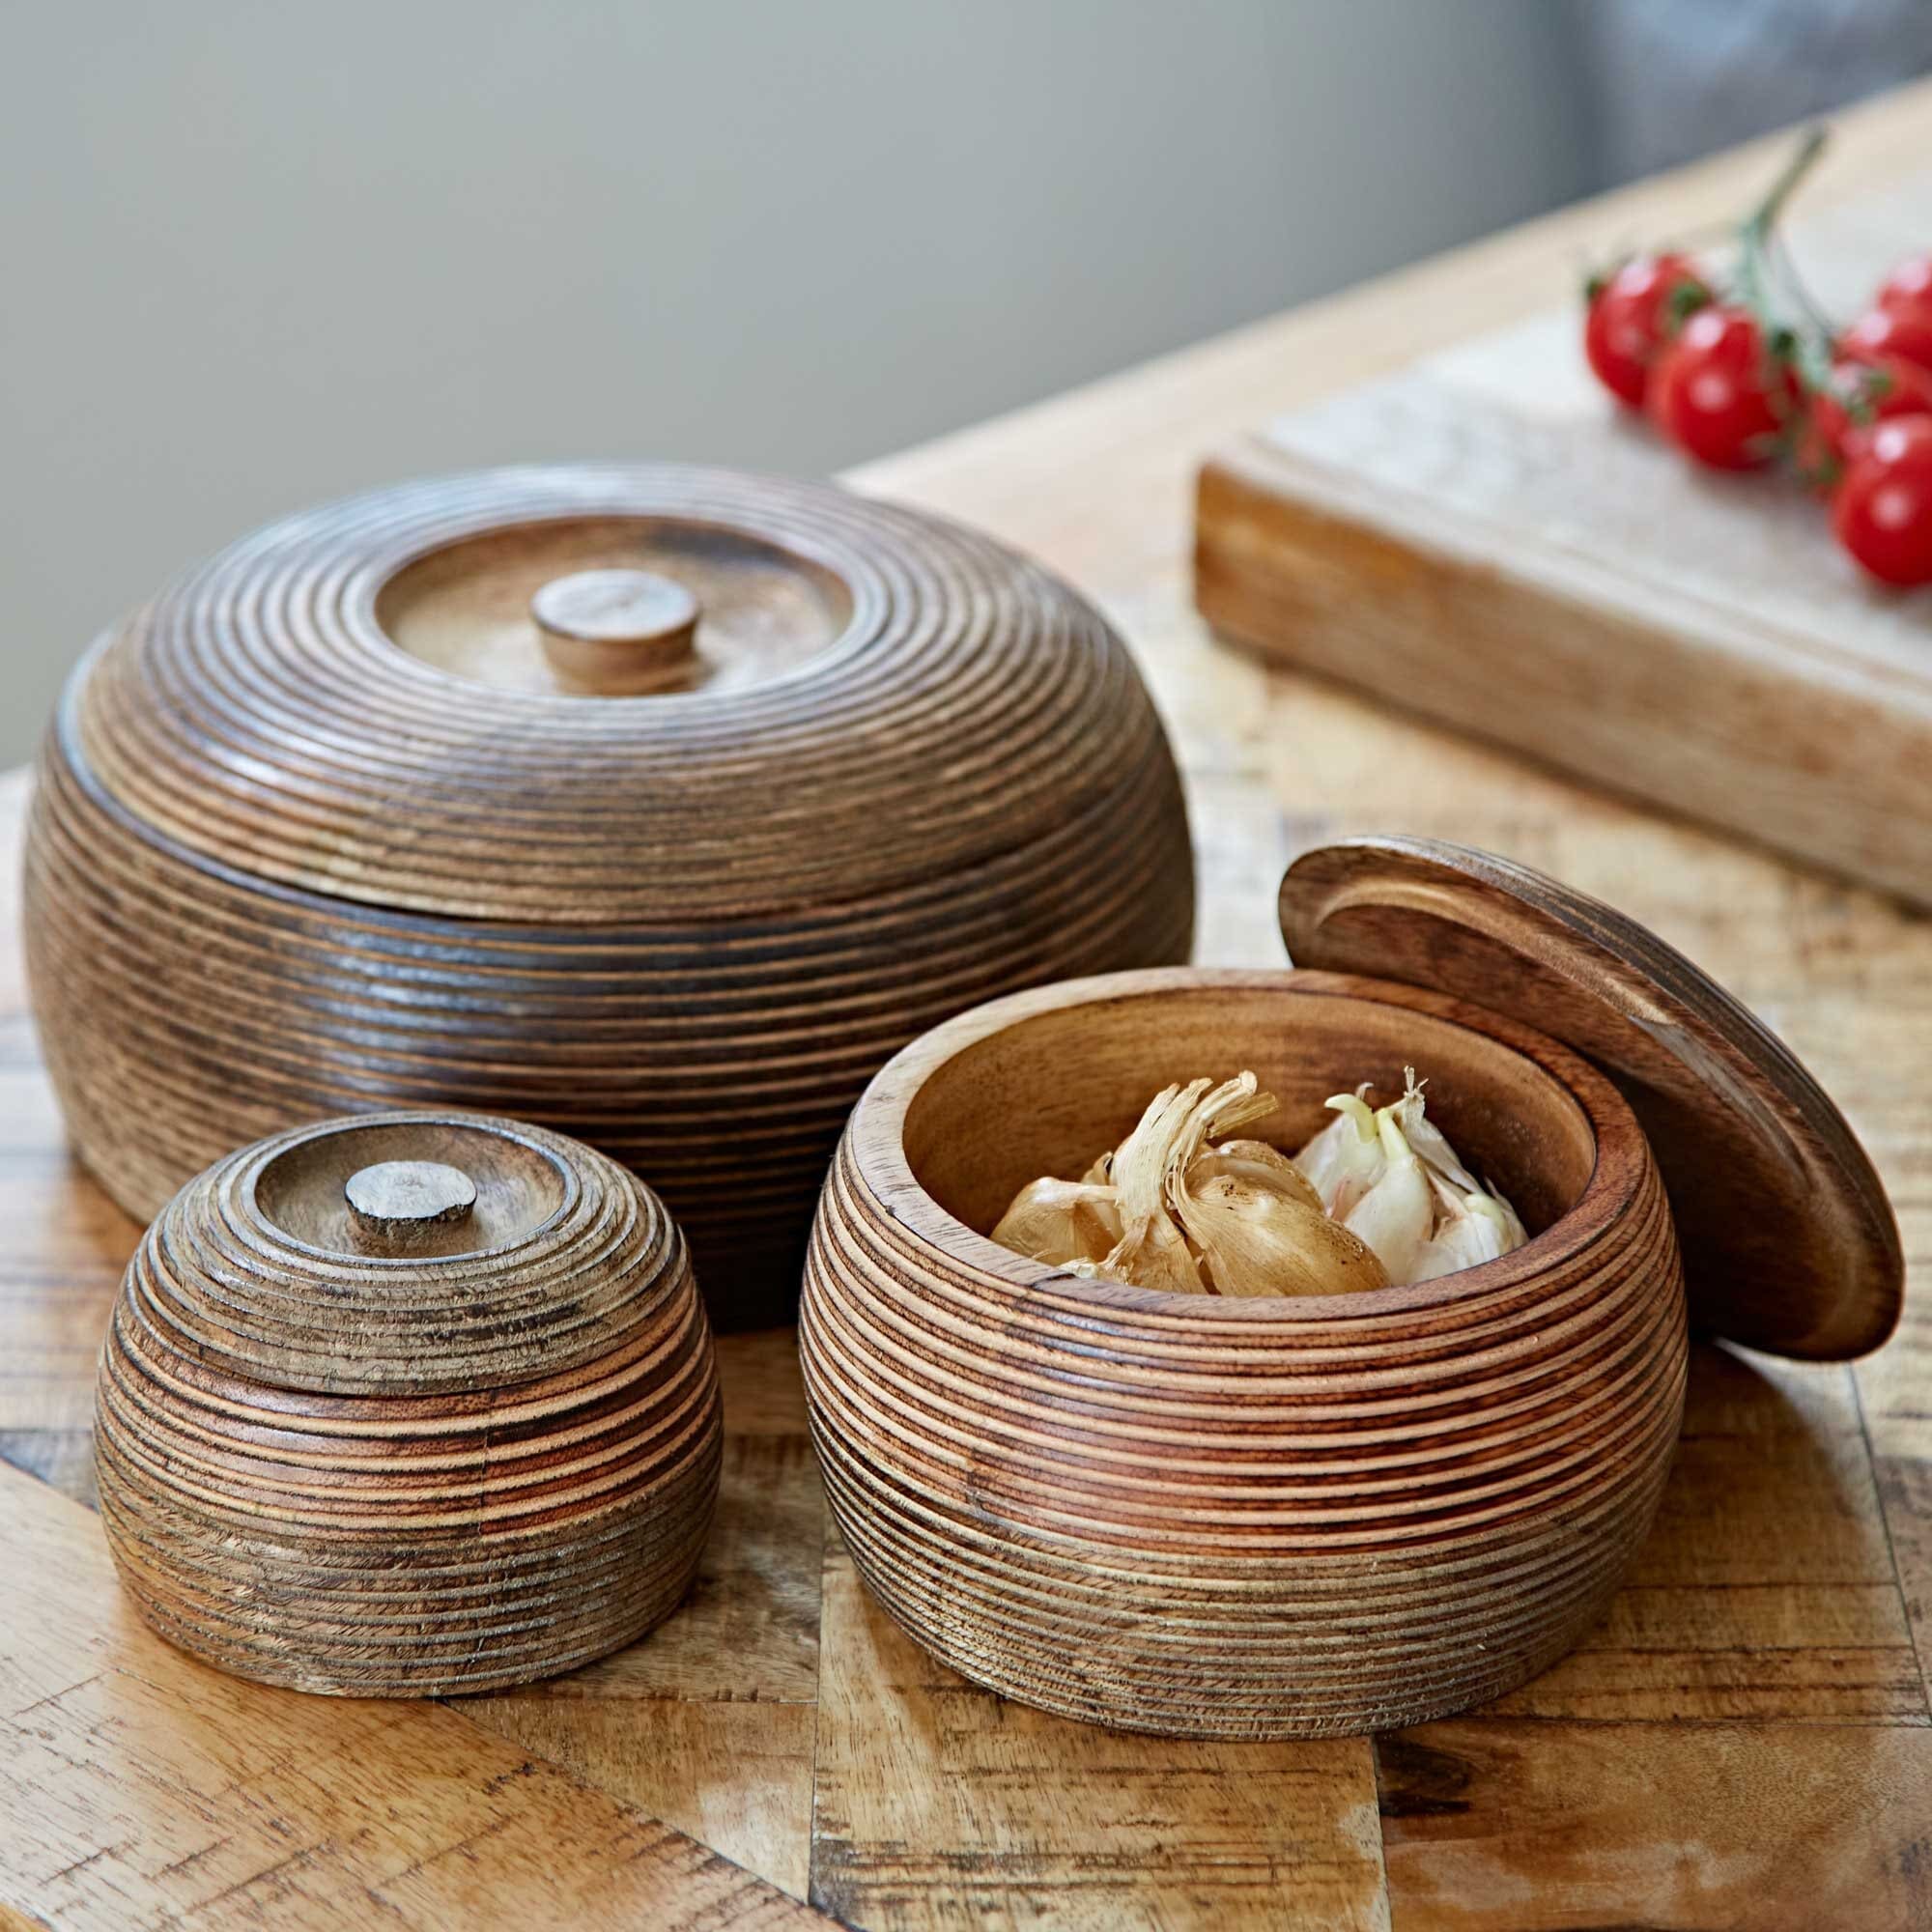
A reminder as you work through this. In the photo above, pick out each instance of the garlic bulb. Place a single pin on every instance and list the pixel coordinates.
(1060, 1221)
(1253, 1219)
(1407, 1191)
(1257, 1163)
(1184, 1206)
(1255, 1239)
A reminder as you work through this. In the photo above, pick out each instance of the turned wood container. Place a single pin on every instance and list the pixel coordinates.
(405, 1404)
(657, 806)
(1296, 1517)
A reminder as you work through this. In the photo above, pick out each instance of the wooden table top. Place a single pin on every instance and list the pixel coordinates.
(1746, 1741)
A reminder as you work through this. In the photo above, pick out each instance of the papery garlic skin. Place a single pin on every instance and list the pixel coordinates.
(1255, 1239)
(1153, 1252)
(1257, 1163)
(1183, 1207)
(1427, 1140)
(1060, 1221)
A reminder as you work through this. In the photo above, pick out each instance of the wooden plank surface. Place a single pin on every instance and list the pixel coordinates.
(1485, 538)
(1744, 1740)
(138, 1786)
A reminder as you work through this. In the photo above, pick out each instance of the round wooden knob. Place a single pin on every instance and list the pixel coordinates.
(616, 631)
(400, 1203)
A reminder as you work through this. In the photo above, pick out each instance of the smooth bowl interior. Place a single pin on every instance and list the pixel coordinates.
(1047, 1092)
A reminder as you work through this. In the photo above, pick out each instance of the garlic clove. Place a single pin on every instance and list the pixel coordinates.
(1397, 1215)
(1060, 1221)
(1344, 1159)
(1472, 1228)
(1466, 1234)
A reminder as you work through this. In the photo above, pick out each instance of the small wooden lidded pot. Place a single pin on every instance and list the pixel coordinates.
(1297, 1517)
(658, 806)
(408, 1405)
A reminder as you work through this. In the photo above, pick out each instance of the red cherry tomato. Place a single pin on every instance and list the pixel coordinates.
(1908, 286)
(1839, 416)
(1882, 511)
(1632, 315)
(1721, 394)
(1903, 332)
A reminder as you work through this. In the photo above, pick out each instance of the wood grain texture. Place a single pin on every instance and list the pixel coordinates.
(1238, 1518)
(1697, 1828)
(1773, 1551)
(313, 857)
(349, 1451)
(138, 1787)
(709, 1723)
(1789, 1243)
(1486, 540)
(941, 1806)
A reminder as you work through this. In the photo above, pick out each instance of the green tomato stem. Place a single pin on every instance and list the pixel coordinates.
(1810, 354)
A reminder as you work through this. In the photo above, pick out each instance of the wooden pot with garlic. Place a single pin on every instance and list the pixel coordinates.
(1234, 1353)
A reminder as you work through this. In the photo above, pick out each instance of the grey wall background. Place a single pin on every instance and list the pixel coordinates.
(255, 256)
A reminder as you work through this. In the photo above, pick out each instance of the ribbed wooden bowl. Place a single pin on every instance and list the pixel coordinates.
(337, 824)
(1238, 1518)
(408, 1457)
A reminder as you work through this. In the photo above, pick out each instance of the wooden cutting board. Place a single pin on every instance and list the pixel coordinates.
(1485, 538)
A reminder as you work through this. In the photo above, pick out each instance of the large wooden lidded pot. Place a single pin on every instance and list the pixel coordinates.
(407, 1403)
(1208, 1517)
(655, 805)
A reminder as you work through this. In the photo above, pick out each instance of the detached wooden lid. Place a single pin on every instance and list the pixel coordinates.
(1789, 1243)
(407, 1254)
(607, 695)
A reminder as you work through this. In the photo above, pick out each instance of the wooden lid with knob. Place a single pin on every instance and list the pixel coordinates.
(1789, 1243)
(658, 805)
(584, 695)
(407, 1403)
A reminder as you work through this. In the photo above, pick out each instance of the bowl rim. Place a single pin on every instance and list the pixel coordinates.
(875, 1138)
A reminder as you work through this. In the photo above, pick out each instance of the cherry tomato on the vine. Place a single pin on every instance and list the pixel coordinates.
(1722, 393)
(1903, 332)
(1633, 314)
(1839, 416)
(1882, 511)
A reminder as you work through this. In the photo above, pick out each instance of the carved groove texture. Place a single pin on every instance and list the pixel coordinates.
(399, 1475)
(1202, 1524)
(281, 867)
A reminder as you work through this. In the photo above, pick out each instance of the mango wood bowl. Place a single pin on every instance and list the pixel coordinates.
(1221, 1517)
(658, 806)
(408, 1405)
